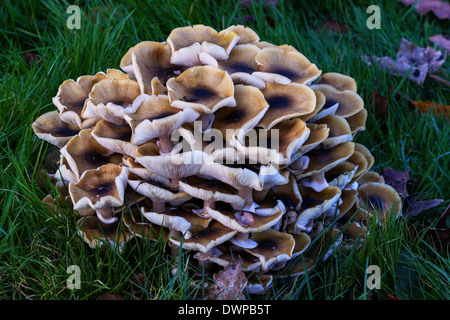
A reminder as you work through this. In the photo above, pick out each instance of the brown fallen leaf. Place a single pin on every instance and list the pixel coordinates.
(380, 105)
(229, 283)
(441, 41)
(138, 282)
(397, 180)
(436, 108)
(336, 26)
(108, 296)
(417, 207)
(440, 8)
(441, 233)
(411, 59)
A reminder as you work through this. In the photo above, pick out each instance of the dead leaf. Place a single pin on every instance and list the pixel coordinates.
(391, 296)
(419, 62)
(379, 104)
(439, 8)
(436, 108)
(397, 180)
(336, 26)
(138, 282)
(229, 283)
(108, 296)
(441, 41)
(245, 218)
(441, 233)
(419, 206)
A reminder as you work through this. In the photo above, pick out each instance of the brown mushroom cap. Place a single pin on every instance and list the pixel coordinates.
(249, 262)
(83, 153)
(115, 138)
(228, 219)
(179, 219)
(246, 34)
(341, 175)
(299, 267)
(250, 108)
(204, 89)
(286, 102)
(95, 232)
(152, 59)
(138, 226)
(285, 64)
(381, 199)
(100, 188)
(317, 134)
(211, 191)
(188, 43)
(339, 81)
(370, 176)
(155, 118)
(273, 247)
(241, 60)
(110, 100)
(349, 101)
(206, 239)
(50, 128)
(302, 242)
(315, 203)
(322, 160)
(339, 130)
(357, 122)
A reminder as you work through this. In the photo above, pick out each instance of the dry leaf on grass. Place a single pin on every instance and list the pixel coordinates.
(441, 233)
(419, 62)
(417, 207)
(397, 180)
(436, 108)
(380, 105)
(440, 8)
(441, 41)
(229, 283)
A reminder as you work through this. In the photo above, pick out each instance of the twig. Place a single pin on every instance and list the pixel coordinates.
(435, 77)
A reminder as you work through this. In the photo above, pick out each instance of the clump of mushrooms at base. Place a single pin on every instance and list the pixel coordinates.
(223, 145)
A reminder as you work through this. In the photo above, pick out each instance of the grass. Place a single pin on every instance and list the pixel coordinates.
(36, 247)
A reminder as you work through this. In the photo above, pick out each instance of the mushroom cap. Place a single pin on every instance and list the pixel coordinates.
(154, 117)
(349, 198)
(286, 102)
(238, 120)
(249, 262)
(298, 267)
(228, 219)
(370, 176)
(349, 101)
(341, 175)
(211, 190)
(322, 160)
(115, 138)
(83, 153)
(241, 60)
(206, 239)
(381, 199)
(204, 89)
(142, 172)
(110, 100)
(158, 191)
(320, 102)
(339, 81)
(141, 228)
(302, 242)
(187, 43)
(317, 134)
(246, 34)
(183, 220)
(151, 59)
(339, 130)
(50, 128)
(100, 188)
(273, 247)
(258, 283)
(315, 203)
(357, 122)
(95, 232)
(285, 64)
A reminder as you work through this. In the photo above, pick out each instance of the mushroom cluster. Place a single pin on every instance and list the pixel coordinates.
(221, 144)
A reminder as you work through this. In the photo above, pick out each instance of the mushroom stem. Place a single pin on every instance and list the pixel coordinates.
(247, 195)
(206, 204)
(165, 144)
(159, 206)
